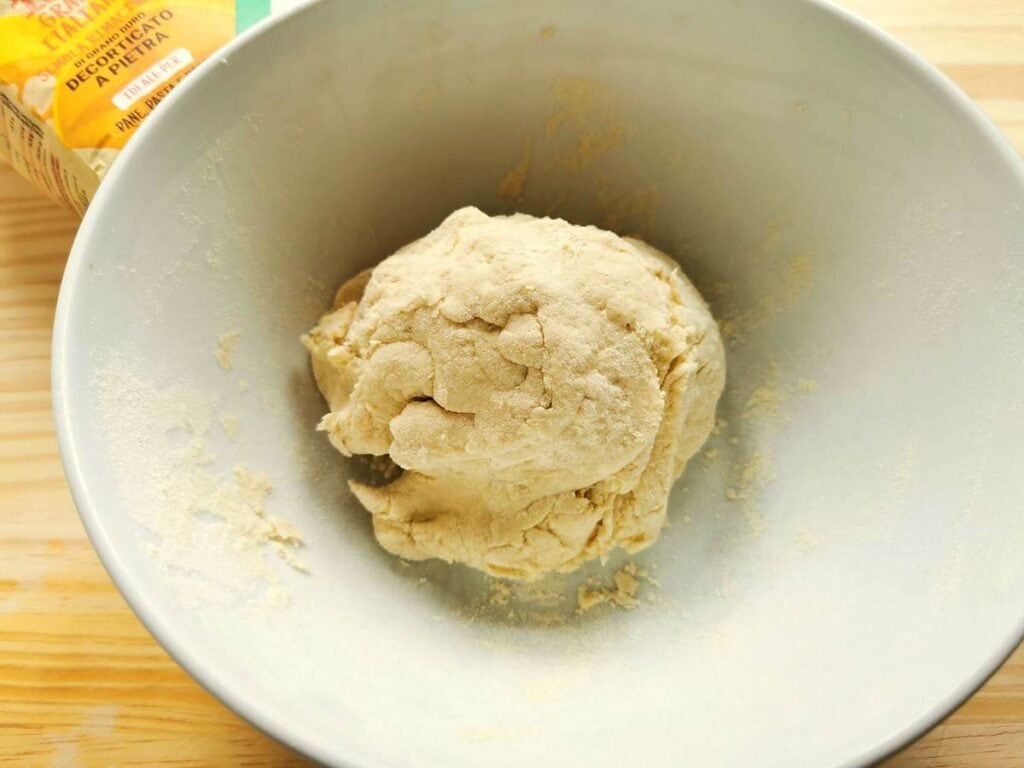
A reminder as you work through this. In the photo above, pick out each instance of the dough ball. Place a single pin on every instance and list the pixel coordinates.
(540, 384)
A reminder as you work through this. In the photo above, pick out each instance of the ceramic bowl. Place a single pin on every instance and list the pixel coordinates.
(843, 565)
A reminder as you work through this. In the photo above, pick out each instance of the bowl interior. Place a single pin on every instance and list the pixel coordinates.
(842, 566)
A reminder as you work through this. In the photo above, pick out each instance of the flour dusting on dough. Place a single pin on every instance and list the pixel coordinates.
(541, 384)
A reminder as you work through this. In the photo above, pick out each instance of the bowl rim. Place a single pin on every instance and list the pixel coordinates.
(222, 686)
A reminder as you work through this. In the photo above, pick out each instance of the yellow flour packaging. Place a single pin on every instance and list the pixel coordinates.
(77, 78)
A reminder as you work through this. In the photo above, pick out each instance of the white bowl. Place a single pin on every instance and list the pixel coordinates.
(850, 213)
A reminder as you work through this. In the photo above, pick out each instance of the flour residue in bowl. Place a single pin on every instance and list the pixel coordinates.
(209, 530)
(558, 600)
(622, 592)
(225, 352)
(585, 123)
(511, 187)
(587, 114)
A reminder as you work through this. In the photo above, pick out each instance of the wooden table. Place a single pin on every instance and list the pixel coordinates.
(82, 684)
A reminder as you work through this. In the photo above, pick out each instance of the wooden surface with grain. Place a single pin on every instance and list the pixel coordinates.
(83, 684)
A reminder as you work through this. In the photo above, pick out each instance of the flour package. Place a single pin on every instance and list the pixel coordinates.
(78, 77)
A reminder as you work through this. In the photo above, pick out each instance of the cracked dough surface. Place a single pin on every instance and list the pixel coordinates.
(540, 384)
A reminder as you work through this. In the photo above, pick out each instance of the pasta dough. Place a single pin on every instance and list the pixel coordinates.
(540, 384)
